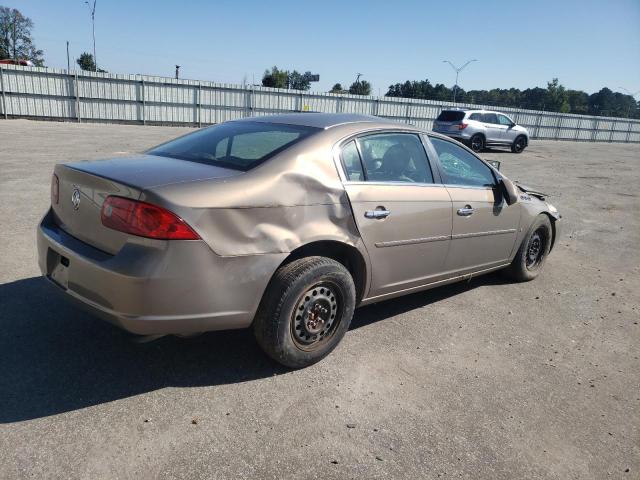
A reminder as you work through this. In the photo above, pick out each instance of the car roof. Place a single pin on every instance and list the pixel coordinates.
(318, 120)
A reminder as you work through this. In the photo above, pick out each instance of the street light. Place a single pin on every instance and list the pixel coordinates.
(458, 70)
(93, 28)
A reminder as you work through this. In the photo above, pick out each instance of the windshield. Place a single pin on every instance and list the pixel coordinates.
(450, 116)
(234, 145)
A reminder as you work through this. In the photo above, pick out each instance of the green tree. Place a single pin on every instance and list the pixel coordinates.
(16, 41)
(299, 81)
(86, 62)
(557, 97)
(275, 78)
(361, 87)
(337, 88)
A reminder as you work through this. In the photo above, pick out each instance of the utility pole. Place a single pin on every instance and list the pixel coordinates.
(68, 63)
(457, 70)
(93, 29)
(177, 71)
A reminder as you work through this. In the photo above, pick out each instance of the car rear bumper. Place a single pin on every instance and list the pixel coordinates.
(154, 287)
(459, 135)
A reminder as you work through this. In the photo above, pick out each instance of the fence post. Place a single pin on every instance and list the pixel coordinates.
(407, 113)
(628, 131)
(199, 105)
(75, 87)
(594, 133)
(376, 107)
(558, 121)
(339, 104)
(144, 102)
(613, 127)
(4, 98)
(538, 122)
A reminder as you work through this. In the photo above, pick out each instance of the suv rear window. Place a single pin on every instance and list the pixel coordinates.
(235, 145)
(450, 116)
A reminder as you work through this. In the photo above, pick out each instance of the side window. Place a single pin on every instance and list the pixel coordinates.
(351, 162)
(504, 120)
(489, 118)
(460, 167)
(475, 116)
(395, 157)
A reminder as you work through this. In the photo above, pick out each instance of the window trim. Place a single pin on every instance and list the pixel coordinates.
(428, 151)
(496, 176)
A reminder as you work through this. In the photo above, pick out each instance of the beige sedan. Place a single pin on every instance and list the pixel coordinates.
(284, 224)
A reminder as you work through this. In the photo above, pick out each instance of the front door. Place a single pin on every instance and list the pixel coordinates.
(484, 226)
(403, 215)
(508, 134)
(495, 131)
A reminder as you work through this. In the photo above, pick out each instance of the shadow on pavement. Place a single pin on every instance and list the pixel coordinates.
(55, 358)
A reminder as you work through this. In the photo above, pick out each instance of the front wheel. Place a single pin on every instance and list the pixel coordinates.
(519, 144)
(533, 251)
(305, 311)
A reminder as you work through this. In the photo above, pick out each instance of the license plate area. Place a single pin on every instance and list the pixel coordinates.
(58, 268)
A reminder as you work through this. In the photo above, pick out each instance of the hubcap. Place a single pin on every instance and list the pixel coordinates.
(535, 249)
(315, 317)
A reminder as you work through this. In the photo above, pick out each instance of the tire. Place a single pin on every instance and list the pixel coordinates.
(476, 143)
(519, 144)
(533, 251)
(322, 290)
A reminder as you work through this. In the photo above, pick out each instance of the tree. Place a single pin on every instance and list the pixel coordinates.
(15, 37)
(557, 97)
(299, 81)
(361, 87)
(86, 62)
(337, 88)
(275, 78)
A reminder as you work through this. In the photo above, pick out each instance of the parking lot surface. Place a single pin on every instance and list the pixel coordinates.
(482, 380)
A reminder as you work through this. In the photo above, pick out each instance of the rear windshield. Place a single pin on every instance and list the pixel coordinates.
(450, 116)
(235, 145)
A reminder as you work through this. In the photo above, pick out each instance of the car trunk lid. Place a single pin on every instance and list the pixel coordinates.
(84, 186)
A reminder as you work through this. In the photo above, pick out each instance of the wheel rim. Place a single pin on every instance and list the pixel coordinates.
(536, 249)
(316, 316)
(476, 143)
(519, 145)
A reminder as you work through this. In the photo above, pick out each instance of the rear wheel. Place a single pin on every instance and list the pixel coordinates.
(533, 251)
(477, 143)
(305, 311)
(519, 144)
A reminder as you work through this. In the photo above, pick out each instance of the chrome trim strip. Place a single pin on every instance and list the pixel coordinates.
(483, 234)
(413, 241)
(393, 184)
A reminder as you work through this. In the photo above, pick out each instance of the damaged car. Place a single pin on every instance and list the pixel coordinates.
(284, 224)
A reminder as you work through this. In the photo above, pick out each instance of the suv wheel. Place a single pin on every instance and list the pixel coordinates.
(305, 311)
(477, 143)
(519, 144)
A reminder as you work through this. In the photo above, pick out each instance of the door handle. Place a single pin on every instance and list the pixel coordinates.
(465, 211)
(378, 213)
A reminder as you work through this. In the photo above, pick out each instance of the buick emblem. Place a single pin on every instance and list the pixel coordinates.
(75, 198)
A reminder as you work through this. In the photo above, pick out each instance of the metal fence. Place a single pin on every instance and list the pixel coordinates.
(54, 94)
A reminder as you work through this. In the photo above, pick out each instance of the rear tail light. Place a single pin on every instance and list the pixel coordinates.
(462, 126)
(55, 189)
(144, 220)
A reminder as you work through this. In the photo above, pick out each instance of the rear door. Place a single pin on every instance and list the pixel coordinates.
(402, 210)
(448, 121)
(484, 226)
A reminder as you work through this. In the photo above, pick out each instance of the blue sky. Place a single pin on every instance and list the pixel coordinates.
(586, 44)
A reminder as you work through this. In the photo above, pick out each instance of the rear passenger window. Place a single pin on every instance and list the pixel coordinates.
(489, 118)
(395, 157)
(475, 116)
(351, 162)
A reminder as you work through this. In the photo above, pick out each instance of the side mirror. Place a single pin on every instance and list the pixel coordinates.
(494, 163)
(509, 190)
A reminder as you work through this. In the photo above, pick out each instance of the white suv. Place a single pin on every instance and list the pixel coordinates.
(482, 128)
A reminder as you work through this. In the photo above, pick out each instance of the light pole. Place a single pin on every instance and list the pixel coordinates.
(93, 29)
(633, 95)
(458, 70)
